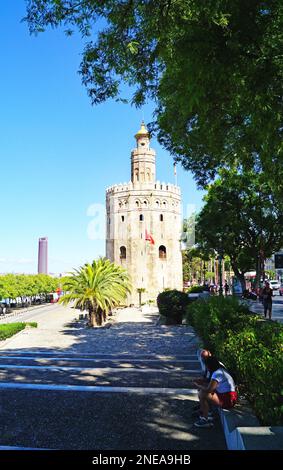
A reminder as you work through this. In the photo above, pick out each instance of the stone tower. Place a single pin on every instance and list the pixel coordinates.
(143, 226)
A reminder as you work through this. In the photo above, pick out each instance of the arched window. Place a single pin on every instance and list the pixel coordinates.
(157, 203)
(161, 217)
(164, 204)
(145, 203)
(141, 217)
(162, 252)
(137, 204)
(123, 218)
(123, 252)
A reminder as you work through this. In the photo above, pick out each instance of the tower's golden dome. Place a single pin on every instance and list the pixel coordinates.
(143, 132)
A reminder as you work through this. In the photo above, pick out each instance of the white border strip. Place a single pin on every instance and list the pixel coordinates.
(180, 357)
(99, 389)
(116, 359)
(104, 369)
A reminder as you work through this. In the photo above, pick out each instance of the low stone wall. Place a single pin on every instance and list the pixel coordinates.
(243, 431)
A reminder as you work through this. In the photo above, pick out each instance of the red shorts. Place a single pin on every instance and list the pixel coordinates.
(227, 400)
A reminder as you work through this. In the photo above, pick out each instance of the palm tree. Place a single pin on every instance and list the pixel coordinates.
(140, 291)
(97, 287)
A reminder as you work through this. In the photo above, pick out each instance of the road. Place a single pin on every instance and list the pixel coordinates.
(128, 387)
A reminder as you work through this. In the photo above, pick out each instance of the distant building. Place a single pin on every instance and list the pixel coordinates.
(144, 226)
(269, 264)
(43, 256)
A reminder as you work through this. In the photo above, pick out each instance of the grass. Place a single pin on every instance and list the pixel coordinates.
(9, 329)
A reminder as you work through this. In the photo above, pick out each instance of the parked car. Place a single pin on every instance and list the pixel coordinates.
(275, 285)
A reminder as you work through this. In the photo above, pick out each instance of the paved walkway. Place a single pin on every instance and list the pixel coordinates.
(277, 308)
(66, 386)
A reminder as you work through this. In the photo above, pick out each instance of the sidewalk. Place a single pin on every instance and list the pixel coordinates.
(256, 306)
(130, 384)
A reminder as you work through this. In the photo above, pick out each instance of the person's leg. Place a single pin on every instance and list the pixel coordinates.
(265, 307)
(207, 399)
(270, 311)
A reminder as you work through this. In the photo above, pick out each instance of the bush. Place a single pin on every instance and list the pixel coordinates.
(195, 290)
(251, 348)
(172, 304)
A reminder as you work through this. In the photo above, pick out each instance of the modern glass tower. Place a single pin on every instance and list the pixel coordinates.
(43, 256)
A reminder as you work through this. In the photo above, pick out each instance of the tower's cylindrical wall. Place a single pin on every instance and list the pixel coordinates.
(131, 215)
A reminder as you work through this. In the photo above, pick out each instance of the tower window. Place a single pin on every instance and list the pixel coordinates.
(122, 218)
(162, 252)
(161, 217)
(137, 204)
(141, 217)
(123, 252)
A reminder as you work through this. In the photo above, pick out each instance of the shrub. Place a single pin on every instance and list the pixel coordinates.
(195, 290)
(251, 348)
(171, 304)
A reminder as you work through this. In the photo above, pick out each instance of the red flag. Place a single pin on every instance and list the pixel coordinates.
(149, 237)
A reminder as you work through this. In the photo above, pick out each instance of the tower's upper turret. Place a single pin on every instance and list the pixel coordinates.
(142, 137)
(143, 158)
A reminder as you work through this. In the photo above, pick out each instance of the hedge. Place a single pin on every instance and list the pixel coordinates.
(249, 346)
(9, 329)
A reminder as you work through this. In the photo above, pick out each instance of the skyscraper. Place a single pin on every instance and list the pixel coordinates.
(43, 256)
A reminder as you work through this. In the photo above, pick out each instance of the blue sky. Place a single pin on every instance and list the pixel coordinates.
(57, 152)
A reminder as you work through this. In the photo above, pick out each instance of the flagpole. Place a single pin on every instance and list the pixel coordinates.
(175, 173)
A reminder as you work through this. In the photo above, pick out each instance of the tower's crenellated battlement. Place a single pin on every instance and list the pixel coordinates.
(157, 185)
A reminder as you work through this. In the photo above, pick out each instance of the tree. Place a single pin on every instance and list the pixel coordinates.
(140, 291)
(241, 219)
(97, 287)
(214, 70)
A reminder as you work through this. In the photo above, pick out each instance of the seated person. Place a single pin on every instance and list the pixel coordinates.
(220, 391)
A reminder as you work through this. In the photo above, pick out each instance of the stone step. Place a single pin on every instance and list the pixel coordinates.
(85, 362)
(17, 353)
(114, 377)
(66, 419)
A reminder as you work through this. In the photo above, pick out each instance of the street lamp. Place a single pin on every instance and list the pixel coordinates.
(220, 258)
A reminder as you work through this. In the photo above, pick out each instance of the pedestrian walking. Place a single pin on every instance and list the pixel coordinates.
(226, 288)
(267, 294)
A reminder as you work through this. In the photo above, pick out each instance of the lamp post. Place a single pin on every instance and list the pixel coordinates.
(220, 258)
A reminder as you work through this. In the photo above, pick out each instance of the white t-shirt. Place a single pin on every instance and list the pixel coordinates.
(225, 381)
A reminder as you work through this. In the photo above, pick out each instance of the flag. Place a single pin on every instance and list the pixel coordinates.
(175, 169)
(149, 238)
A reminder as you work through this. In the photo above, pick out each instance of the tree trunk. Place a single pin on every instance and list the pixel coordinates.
(95, 317)
(240, 276)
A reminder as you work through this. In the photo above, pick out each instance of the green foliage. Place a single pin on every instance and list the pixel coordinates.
(171, 304)
(251, 348)
(214, 70)
(195, 289)
(241, 219)
(9, 329)
(26, 285)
